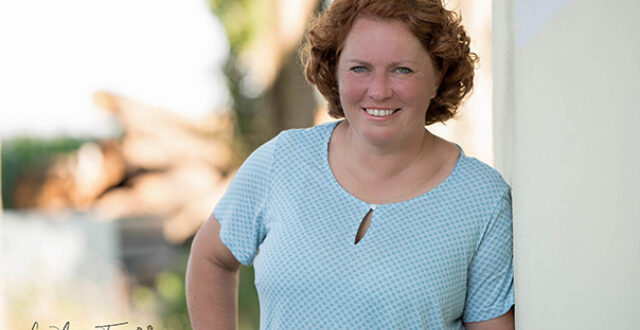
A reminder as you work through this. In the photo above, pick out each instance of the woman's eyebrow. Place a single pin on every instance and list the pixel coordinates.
(405, 61)
(394, 63)
(358, 61)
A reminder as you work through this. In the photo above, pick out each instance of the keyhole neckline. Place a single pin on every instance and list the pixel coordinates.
(364, 226)
(334, 181)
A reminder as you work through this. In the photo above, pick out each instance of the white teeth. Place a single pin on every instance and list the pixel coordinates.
(379, 113)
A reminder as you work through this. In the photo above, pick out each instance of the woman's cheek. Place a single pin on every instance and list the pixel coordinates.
(412, 91)
(352, 89)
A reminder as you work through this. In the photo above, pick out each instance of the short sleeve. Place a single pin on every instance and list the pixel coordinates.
(240, 211)
(490, 277)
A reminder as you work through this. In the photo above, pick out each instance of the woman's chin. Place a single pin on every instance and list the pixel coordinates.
(381, 135)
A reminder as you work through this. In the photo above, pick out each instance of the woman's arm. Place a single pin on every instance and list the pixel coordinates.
(504, 322)
(212, 280)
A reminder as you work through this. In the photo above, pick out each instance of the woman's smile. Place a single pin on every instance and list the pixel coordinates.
(380, 113)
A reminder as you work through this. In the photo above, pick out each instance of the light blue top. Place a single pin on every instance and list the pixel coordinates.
(430, 262)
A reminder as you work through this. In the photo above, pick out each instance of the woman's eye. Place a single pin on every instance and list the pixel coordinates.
(403, 70)
(359, 69)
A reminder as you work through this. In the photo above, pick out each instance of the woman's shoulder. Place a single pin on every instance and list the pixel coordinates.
(478, 174)
(479, 187)
(295, 136)
(317, 132)
(301, 139)
(294, 145)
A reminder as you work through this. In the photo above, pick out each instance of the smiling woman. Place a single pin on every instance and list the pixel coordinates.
(371, 221)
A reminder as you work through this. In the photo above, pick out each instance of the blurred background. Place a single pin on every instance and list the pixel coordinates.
(122, 122)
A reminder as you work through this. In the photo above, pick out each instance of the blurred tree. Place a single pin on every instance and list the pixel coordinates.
(263, 72)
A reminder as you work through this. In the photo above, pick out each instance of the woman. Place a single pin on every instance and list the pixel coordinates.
(371, 221)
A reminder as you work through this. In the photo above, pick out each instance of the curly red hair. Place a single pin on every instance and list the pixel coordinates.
(439, 30)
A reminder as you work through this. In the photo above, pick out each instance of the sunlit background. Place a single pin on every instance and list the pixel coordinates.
(122, 123)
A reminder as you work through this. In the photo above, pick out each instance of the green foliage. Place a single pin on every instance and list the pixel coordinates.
(248, 304)
(245, 109)
(241, 19)
(171, 303)
(170, 296)
(26, 153)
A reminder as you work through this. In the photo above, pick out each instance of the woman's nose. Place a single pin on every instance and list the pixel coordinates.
(379, 87)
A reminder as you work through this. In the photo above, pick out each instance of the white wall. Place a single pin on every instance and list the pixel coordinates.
(566, 123)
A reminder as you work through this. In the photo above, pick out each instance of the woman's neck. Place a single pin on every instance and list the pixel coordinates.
(380, 162)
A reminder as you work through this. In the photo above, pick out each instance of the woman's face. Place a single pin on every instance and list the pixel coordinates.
(386, 80)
